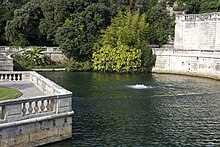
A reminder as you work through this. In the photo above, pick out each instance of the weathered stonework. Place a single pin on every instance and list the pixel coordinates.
(196, 47)
(196, 63)
(197, 31)
(6, 63)
(34, 121)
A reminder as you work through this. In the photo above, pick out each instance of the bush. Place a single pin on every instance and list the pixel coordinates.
(29, 59)
(123, 46)
(121, 58)
(73, 65)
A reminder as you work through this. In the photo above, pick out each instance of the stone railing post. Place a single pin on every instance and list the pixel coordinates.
(64, 103)
(12, 112)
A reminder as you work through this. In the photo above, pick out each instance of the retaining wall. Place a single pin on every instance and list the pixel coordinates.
(204, 63)
(37, 120)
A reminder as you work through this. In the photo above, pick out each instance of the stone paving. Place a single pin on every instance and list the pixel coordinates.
(28, 89)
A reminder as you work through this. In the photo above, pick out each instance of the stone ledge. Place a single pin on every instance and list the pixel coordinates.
(33, 120)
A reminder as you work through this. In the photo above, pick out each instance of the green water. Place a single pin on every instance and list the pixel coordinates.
(141, 109)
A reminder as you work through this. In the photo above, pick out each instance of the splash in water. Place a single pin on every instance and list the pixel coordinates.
(139, 86)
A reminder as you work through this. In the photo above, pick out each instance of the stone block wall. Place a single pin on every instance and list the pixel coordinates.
(38, 132)
(197, 31)
(197, 63)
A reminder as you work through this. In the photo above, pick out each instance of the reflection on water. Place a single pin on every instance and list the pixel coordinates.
(160, 110)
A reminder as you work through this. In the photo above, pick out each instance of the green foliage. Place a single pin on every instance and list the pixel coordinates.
(76, 36)
(6, 13)
(121, 58)
(209, 6)
(55, 12)
(73, 65)
(120, 47)
(160, 25)
(197, 6)
(30, 58)
(25, 24)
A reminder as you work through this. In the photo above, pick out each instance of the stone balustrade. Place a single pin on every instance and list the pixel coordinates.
(198, 17)
(53, 52)
(54, 109)
(17, 49)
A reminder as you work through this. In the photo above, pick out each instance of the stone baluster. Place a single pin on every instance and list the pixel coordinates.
(30, 108)
(14, 77)
(48, 105)
(1, 77)
(24, 109)
(36, 108)
(19, 77)
(42, 107)
(9, 77)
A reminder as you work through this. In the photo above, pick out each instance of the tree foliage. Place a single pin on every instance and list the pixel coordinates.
(55, 12)
(160, 25)
(77, 35)
(30, 58)
(198, 6)
(7, 8)
(122, 45)
(24, 27)
(79, 27)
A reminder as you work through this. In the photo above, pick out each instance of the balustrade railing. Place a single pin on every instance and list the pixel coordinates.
(11, 77)
(56, 99)
(38, 106)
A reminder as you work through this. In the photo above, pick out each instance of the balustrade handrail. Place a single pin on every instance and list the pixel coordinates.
(58, 89)
(31, 99)
(57, 100)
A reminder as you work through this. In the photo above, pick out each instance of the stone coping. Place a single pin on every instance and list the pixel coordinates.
(198, 17)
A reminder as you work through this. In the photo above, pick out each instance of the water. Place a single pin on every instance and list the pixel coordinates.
(141, 109)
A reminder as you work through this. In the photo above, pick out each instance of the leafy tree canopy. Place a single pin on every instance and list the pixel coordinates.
(123, 46)
(24, 27)
(77, 35)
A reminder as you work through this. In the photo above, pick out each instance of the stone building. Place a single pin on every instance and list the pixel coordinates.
(198, 32)
(196, 48)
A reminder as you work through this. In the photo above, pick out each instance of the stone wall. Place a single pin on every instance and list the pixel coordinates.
(197, 31)
(6, 63)
(196, 48)
(38, 120)
(188, 62)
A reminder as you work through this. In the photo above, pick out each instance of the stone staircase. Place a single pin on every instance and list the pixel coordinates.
(6, 62)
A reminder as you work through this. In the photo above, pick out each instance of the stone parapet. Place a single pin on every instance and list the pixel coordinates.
(198, 17)
(38, 120)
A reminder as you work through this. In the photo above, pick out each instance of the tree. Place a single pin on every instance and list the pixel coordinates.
(160, 25)
(209, 6)
(77, 35)
(55, 12)
(123, 46)
(198, 6)
(24, 27)
(7, 8)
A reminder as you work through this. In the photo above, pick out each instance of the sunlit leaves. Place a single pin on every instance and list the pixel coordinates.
(120, 47)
